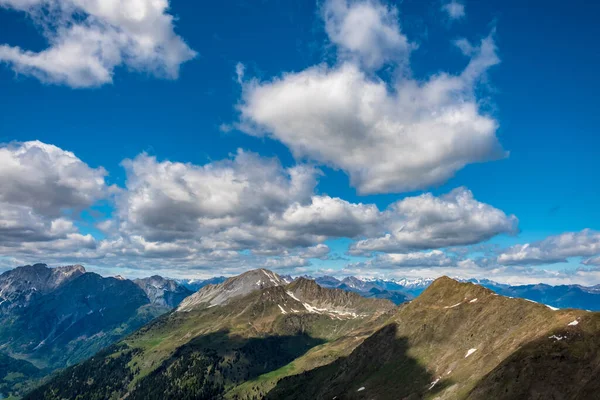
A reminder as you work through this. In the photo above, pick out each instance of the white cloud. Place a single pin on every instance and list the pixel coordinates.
(329, 217)
(42, 189)
(434, 258)
(554, 249)
(455, 9)
(429, 222)
(238, 213)
(166, 200)
(367, 32)
(393, 136)
(47, 179)
(89, 39)
(592, 261)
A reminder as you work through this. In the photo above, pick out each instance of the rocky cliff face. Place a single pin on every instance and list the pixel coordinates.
(237, 286)
(162, 291)
(22, 285)
(55, 317)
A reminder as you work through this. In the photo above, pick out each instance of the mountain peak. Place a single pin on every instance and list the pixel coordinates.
(446, 290)
(303, 284)
(22, 285)
(236, 286)
(343, 301)
(163, 291)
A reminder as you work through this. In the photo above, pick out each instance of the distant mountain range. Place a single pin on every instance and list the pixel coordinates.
(256, 336)
(401, 290)
(396, 291)
(196, 284)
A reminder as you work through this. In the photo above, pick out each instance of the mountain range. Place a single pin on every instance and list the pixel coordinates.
(51, 318)
(262, 335)
(256, 336)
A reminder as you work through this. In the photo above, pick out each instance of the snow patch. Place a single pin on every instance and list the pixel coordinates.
(552, 308)
(272, 278)
(282, 310)
(471, 351)
(315, 310)
(557, 338)
(434, 383)
(292, 296)
(456, 305)
(360, 389)
(574, 323)
(473, 301)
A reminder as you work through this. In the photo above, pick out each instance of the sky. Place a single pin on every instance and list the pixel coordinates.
(343, 137)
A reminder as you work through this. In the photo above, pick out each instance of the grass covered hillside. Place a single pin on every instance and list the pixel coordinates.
(238, 348)
(451, 343)
(302, 341)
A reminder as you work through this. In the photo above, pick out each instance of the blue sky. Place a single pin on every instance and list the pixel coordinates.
(539, 89)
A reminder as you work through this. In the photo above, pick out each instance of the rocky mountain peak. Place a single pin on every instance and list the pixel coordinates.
(163, 291)
(336, 300)
(20, 286)
(236, 286)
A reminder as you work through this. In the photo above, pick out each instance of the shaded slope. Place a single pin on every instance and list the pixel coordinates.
(456, 332)
(565, 365)
(76, 320)
(16, 376)
(383, 355)
(265, 331)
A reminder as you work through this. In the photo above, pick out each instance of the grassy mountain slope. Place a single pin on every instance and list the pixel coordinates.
(59, 316)
(207, 352)
(441, 345)
(302, 341)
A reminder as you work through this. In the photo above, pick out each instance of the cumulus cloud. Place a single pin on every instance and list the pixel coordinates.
(89, 39)
(554, 249)
(392, 136)
(242, 212)
(329, 216)
(252, 203)
(47, 179)
(42, 190)
(245, 210)
(429, 222)
(435, 258)
(454, 9)
(366, 32)
(168, 200)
